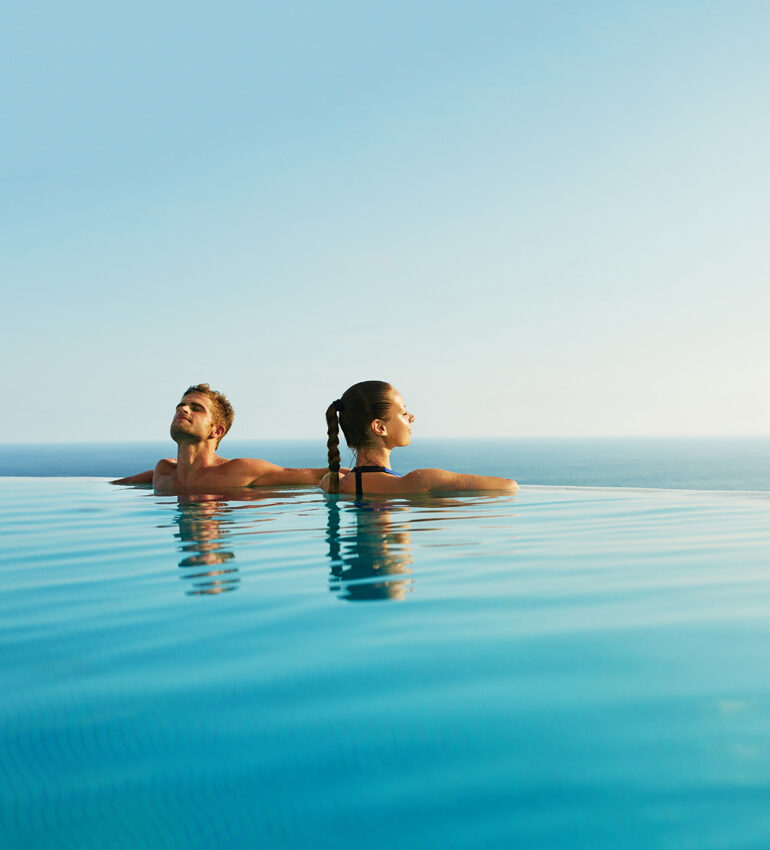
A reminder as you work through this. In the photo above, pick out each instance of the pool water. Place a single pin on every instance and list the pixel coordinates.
(567, 667)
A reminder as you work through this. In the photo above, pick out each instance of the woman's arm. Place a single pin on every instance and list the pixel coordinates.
(441, 480)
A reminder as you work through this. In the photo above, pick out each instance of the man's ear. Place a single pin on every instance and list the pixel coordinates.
(218, 432)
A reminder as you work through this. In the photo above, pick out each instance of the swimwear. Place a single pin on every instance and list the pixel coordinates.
(359, 469)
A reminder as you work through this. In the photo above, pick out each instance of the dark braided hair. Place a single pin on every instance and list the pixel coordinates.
(354, 411)
(333, 445)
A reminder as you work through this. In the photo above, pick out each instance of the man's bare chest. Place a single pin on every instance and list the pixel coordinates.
(176, 479)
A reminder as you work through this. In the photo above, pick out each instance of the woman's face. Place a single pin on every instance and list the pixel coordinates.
(399, 422)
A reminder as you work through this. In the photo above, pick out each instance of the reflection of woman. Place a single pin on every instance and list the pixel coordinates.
(374, 421)
(371, 562)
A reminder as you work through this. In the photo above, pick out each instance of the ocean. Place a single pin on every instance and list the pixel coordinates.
(687, 463)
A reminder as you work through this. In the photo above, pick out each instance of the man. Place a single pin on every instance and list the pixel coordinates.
(201, 420)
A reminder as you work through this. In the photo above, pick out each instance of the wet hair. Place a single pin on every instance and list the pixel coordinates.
(221, 410)
(354, 412)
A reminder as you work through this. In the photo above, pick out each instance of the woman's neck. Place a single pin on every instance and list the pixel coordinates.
(374, 456)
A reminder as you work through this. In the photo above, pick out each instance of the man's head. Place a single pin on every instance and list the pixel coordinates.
(202, 414)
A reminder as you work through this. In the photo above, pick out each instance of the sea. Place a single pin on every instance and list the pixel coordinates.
(581, 664)
(708, 463)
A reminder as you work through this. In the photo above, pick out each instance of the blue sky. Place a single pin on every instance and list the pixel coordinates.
(533, 218)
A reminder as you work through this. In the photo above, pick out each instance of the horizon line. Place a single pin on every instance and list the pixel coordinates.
(729, 436)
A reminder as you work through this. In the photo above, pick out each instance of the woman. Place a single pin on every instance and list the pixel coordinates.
(375, 421)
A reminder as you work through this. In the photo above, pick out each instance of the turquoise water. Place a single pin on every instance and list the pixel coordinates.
(582, 668)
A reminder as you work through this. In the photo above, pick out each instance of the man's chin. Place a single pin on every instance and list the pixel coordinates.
(179, 435)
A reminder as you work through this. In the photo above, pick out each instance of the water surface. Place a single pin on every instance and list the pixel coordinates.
(563, 668)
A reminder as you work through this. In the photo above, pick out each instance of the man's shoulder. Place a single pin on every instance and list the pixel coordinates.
(242, 471)
(249, 461)
(247, 464)
(165, 464)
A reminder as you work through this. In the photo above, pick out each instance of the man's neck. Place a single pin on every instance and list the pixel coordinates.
(196, 456)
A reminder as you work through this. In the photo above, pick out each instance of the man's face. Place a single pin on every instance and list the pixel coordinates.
(193, 422)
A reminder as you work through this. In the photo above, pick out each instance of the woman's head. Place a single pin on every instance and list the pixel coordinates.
(370, 413)
(358, 407)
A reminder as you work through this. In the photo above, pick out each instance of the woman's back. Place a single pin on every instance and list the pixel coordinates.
(379, 480)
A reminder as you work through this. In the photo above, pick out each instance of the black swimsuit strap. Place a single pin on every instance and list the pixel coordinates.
(359, 469)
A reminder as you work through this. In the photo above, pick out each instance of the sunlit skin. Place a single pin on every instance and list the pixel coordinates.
(393, 432)
(198, 467)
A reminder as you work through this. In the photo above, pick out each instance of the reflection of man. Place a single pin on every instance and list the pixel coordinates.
(203, 540)
(201, 420)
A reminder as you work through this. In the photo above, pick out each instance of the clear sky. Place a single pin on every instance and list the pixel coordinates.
(542, 218)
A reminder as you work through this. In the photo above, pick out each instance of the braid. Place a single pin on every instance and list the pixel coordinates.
(333, 444)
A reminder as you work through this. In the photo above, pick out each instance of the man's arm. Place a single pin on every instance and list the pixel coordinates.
(139, 478)
(273, 474)
(162, 467)
(255, 472)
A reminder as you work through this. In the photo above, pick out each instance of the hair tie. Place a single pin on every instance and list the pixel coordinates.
(334, 467)
(338, 405)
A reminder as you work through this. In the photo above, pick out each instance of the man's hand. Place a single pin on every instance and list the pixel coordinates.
(139, 478)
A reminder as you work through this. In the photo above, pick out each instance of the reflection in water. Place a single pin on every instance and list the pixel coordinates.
(203, 532)
(369, 561)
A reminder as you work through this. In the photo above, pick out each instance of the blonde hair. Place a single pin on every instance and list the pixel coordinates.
(221, 410)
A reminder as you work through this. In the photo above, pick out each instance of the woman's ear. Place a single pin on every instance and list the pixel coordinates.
(379, 427)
